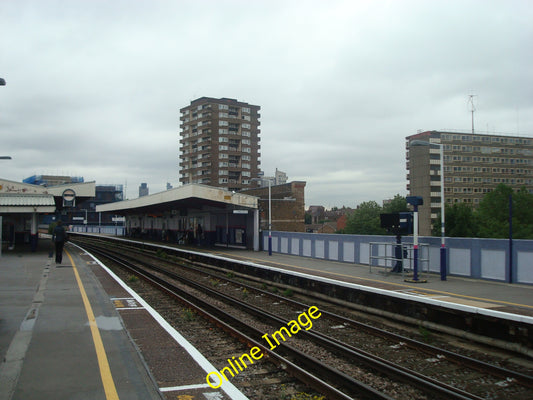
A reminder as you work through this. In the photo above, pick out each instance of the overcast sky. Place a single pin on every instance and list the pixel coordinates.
(94, 87)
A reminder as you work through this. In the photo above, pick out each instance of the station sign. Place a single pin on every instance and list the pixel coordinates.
(69, 198)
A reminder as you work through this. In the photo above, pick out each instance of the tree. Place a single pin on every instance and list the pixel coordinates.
(365, 220)
(460, 221)
(493, 213)
(396, 205)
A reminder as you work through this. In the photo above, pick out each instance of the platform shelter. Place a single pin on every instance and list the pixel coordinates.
(22, 204)
(192, 214)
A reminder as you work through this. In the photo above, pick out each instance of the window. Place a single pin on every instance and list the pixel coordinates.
(223, 139)
(223, 172)
(223, 155)
(246, 150)
(222, 180)
(222, 131)
(222, 147)
(223, 107)
(246, 126)
(222, 123)
(246, 110)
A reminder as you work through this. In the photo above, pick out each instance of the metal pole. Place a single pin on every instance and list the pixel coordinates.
(415, 244)
(510, 238)
(442, 224)
(269, 218)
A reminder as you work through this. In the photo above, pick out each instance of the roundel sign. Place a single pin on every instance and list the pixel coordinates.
(69, 198)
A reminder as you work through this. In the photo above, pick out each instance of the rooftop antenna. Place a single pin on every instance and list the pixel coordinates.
(472, 109)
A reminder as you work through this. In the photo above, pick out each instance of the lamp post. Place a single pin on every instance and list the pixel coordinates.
(442, 204)
(269, 213)
(2, 83)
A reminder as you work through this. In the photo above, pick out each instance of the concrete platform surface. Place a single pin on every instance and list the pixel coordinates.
(48, 345)
(498, 296)
(69, 332)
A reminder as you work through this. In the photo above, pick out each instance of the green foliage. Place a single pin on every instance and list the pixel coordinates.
(398, 204)
(460, 221)
(51, 228)
(365, 220)
(424, 333)
(288, 293)
(162, 254)
(188, 314)
(491, 218)
(493, 213)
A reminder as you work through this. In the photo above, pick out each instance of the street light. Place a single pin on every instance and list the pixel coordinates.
(442, 226)
(269, 214)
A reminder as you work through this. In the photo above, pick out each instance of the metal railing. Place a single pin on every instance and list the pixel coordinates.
(390, 261)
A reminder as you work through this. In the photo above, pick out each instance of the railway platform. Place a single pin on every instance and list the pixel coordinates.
(71, 331)
(476, 293)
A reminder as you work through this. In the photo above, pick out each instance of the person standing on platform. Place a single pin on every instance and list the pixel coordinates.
(59, 237)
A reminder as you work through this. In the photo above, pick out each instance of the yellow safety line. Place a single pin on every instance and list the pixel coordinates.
(390, 283)
(105, 371)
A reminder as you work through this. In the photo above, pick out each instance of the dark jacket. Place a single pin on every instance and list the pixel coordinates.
(59, 234)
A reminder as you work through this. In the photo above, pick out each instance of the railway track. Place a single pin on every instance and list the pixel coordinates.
(352, 359)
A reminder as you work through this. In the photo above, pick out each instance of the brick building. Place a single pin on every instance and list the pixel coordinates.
(288, 206)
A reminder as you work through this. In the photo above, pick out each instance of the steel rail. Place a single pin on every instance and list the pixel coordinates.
(419, 380)
(481, 366)
(221, 319)
(389, 368)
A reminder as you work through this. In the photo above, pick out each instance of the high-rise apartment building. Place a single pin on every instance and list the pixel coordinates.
(474, 164)
(219, 143)
(143, 190)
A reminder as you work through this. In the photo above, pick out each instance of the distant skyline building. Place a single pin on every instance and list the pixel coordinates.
(144, 190)
(219, 143)
(474, 164)
(279, 178)
(52, 180)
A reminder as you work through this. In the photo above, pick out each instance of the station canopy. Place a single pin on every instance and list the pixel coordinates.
(18, 197)
(191, 196)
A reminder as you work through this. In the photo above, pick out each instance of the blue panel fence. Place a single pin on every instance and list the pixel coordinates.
(468, 257)
(103, 230)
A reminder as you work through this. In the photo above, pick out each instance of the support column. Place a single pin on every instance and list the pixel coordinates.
(34, 233)
(256, 230)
